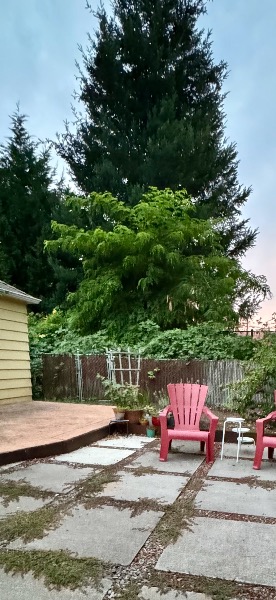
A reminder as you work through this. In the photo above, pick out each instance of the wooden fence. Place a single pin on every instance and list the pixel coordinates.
(60, 377)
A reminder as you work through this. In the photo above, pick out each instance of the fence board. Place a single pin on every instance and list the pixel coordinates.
(59, 376)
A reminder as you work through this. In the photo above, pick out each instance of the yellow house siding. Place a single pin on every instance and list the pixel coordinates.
(14, 345)
(20, 336)
(12, 315)
(15, 376)
(5, 384)
(15, 393)
(13, 325)
(12, 304)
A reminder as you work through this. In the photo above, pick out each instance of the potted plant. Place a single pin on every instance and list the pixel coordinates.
(150, 431)
(161, 401)
(149, 412)
(125, 397)
(119, 413)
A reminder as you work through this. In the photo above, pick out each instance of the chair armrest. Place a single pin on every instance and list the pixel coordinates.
(165, 411)
(163, 420)
(206, 411)
(260, 422)
(271, 415)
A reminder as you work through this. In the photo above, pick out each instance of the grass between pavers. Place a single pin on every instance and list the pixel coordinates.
(32, 525)
(140, 471)
(13, 490)
(217, 589)
(179, 515)
(57, 568)
(252, 482)
(94, 484)
(130, 592)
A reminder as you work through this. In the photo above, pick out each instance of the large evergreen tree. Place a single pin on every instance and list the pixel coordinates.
(153, 103)
(28, 200)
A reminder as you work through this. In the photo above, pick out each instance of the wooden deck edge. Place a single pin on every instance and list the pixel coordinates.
(53, 448)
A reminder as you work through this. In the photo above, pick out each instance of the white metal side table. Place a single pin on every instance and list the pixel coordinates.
(238, 429)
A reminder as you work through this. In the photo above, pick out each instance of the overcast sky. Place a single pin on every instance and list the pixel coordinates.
(38, 48)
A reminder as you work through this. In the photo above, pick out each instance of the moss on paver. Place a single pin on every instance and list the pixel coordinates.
(178, 516)
(95, 484)
(58, 568)
(30, 526)
(13, 490)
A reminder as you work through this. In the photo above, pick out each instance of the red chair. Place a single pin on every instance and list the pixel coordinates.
(264, 441)
(187, 405)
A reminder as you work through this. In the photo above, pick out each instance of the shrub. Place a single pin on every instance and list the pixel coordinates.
(259, 378)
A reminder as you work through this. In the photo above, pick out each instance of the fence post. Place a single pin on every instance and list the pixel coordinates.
(79, 376)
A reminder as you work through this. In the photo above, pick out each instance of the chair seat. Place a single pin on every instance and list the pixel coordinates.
(269, 441)
(188, 434)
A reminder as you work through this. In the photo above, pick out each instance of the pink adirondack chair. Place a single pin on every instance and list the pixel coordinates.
(187, 405)
(264, 441)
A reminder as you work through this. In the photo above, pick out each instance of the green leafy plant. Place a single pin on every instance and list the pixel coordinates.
(155, 260)
(150, 410)
(124, 396)
(152, 374)
(207, 341)
(253, 396)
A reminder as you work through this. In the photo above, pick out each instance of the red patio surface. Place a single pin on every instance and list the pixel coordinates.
(49, 425)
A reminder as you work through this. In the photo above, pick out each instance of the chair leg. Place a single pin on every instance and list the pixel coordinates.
(258, 455)
(210, 451)
(270, 452)
(202, 446)
(164, 449)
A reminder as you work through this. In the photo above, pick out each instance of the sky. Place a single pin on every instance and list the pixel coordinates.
(39, 42)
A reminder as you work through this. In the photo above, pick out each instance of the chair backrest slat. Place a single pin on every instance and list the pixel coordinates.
(187, 401)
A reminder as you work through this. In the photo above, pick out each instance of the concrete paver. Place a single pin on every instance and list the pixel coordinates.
(10, 466)
(162, 487)
(49, 476)
(130, 441)
(246, 450)
(92, 455)
(17, 587)
(24, 503)
(232, 550)
(229, 467)
(227, 549)
(153, 593)
(187, 447)
(226, 496)
(105, 533)
(176, 463)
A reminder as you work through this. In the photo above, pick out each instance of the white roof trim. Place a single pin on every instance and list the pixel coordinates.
(13, 292)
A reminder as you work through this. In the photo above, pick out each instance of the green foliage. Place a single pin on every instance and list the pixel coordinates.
(259, 378)
(153, 261)
(58, 568)
(125, 396)
(206, 341)
(153, 113)
(52, 334)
